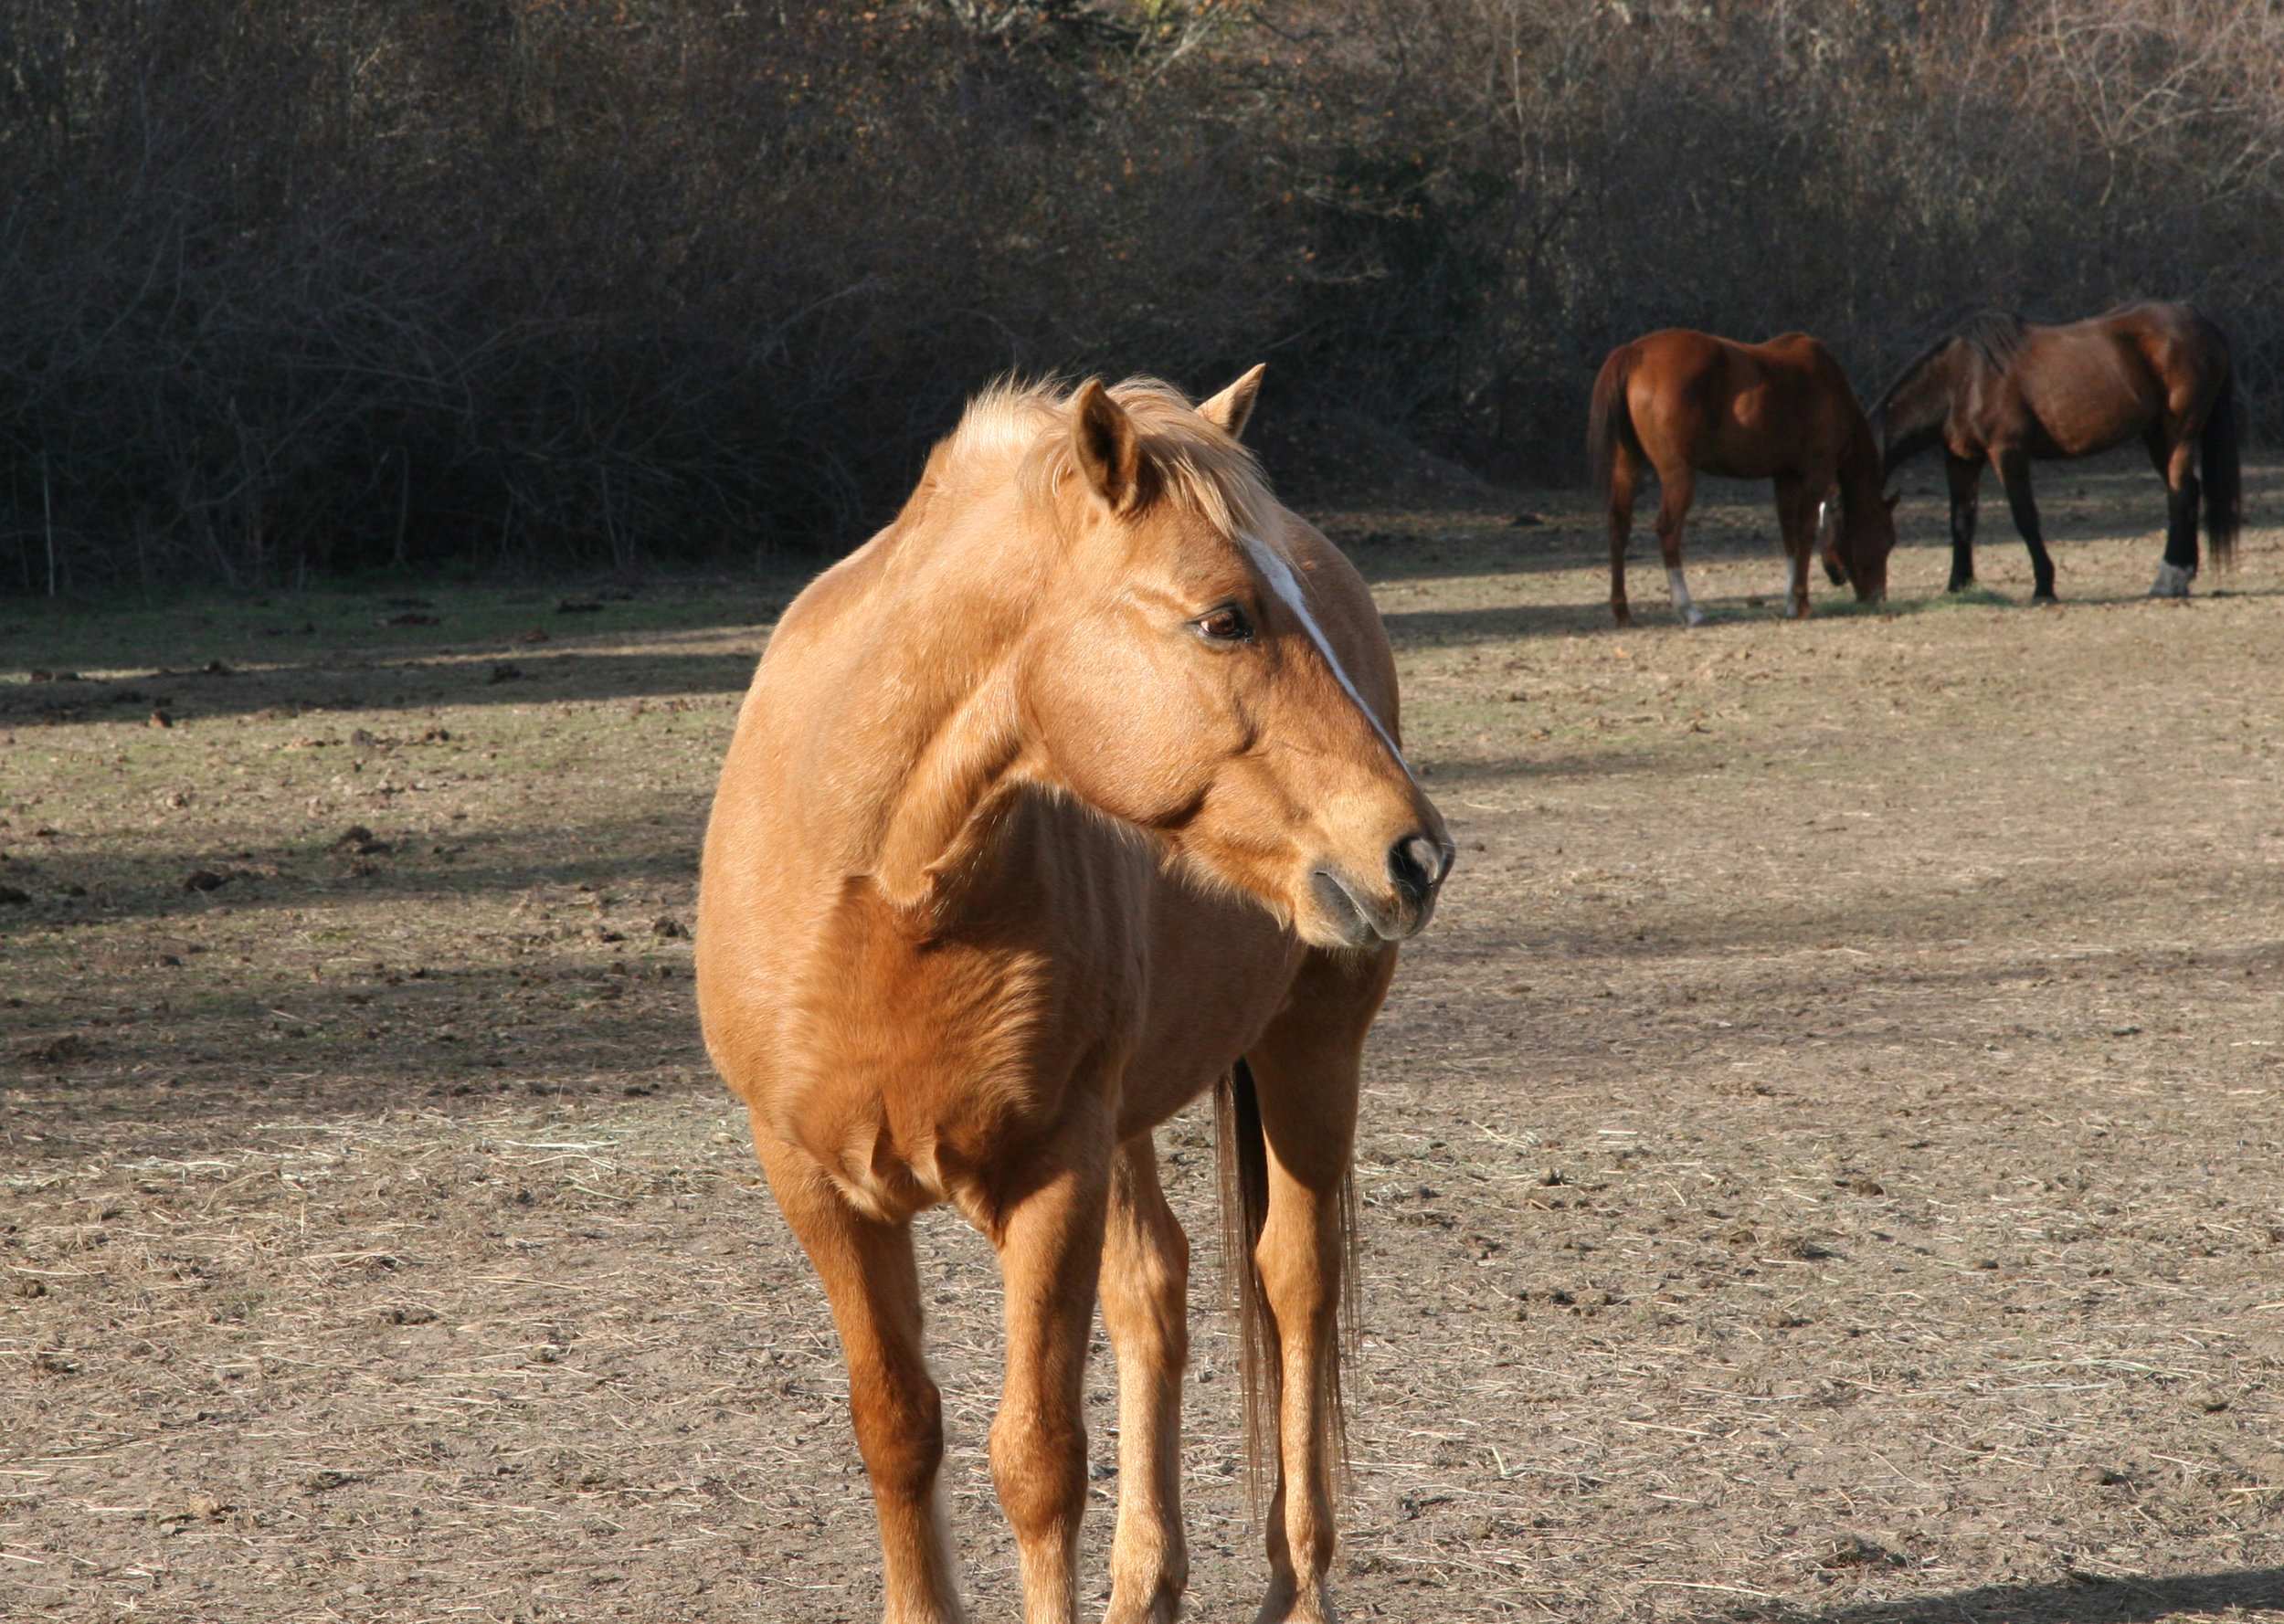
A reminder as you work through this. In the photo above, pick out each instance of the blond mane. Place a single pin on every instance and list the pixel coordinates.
(1199, 467)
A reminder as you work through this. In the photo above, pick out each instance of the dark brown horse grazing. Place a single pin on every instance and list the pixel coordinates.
(1680, 403)
(1071, 793)
(2008, 392)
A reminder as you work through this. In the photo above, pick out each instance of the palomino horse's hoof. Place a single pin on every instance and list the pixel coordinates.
(2172, 580)
(1693, 615)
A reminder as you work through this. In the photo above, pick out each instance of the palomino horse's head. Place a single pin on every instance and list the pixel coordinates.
(1197, 663)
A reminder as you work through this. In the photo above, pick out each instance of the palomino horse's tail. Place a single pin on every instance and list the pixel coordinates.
(1244, 1153)
(2223, 481)
(1609, 420)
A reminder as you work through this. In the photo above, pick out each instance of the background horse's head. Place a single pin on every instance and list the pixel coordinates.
(1196, 662)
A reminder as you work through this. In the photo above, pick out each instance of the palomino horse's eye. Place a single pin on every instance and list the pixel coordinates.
(1228, 624)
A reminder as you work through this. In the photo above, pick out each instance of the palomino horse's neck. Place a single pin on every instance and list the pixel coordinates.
(927, 724)
(930, 822)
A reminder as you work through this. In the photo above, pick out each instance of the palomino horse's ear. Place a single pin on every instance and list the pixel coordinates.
(1109, 451)
(1228, 410)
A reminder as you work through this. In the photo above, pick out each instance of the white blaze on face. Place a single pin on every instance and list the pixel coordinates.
(1287, 586)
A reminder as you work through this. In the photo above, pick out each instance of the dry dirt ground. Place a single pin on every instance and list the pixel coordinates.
(1821, 1166)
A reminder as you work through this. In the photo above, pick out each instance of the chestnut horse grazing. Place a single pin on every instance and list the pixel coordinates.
(1073, 793)
(2005, 391)
(1681, 403)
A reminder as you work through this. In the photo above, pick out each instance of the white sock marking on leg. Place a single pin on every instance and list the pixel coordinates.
(1684, 605)
(2172, 580)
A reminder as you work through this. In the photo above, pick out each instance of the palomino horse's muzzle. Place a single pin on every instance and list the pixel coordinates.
(1417, 864)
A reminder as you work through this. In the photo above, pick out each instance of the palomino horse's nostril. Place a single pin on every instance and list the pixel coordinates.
(1417, 866)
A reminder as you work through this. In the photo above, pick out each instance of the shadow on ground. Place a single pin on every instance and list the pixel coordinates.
(438, 678)
(2086, 1601)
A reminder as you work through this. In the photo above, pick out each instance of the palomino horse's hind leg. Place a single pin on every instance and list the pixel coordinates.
(1965, 474)
(2175, 456)
(1306, 1073)
(1146, 1308)
(867, 1269)
(1051, 1250)
(2013, 470)
(1677, 488)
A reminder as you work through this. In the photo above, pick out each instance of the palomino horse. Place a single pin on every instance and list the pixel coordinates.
(1681, 403)
(1072, 791)
(2005, 391)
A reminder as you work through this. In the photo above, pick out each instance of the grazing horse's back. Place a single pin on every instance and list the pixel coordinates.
(1071, 793)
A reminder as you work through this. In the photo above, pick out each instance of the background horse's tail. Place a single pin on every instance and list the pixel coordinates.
(2223, 481)
(1609, 420)
(1244, 1154)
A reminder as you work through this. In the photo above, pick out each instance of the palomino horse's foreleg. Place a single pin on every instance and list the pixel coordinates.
(2175, 456)
(1625, 476)
(1677, 488)
(867, 1269)
(1306, 1072)
(1965, 474)
(1146, 1308)
(2014, 471)
(1051, 1250)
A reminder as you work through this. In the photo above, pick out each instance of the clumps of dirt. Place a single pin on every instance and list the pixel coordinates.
(61, 1049)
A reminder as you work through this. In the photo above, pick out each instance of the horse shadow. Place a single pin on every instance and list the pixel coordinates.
(2076, 1600)
(340, 688)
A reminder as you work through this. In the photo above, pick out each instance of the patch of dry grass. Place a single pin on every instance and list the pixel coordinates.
(1820, 1166)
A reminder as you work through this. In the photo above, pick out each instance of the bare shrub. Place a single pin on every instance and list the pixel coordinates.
(304, 288)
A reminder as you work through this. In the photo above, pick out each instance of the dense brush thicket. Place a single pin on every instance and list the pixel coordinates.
(299, 286)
